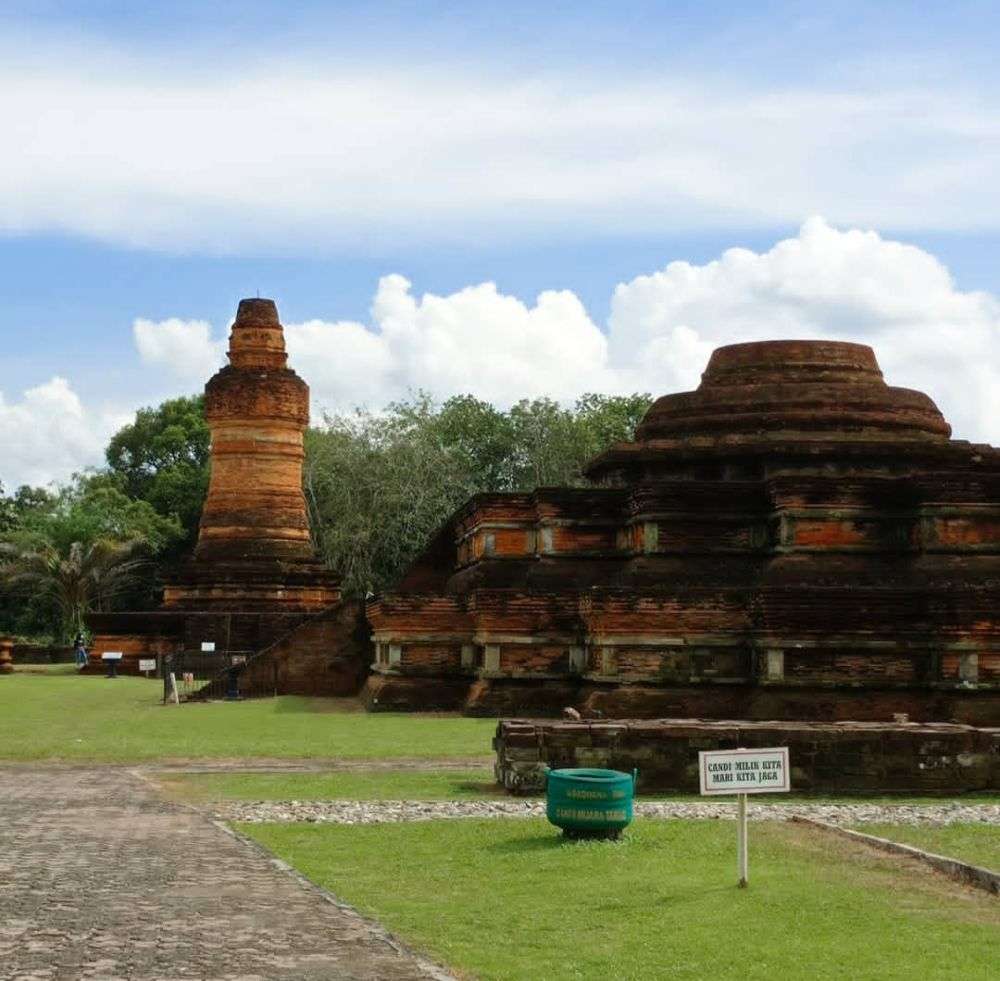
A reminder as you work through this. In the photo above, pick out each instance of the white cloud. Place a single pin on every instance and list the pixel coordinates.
(482, 341)
(49, 435)
(287, 157)
(185, 347)
(847, 285)
(476, 340)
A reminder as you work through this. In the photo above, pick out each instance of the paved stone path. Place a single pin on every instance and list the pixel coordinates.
(101, 878)
(381, 812)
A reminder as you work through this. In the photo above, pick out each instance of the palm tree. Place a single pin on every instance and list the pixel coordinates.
(89, 578)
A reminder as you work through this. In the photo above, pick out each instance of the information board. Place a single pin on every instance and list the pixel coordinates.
(744, 771)
(147, 663)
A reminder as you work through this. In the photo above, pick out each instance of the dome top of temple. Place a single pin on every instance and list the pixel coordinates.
(810, 389)
(257, 339)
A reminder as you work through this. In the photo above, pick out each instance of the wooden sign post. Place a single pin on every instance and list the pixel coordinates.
(742, 772)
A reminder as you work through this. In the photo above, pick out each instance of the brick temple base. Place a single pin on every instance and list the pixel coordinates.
(852, 757)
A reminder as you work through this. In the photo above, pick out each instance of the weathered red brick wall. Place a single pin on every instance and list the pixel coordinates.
(852, 757)
(41, 654)
(794, 538)
(431, 658)
(533, 658)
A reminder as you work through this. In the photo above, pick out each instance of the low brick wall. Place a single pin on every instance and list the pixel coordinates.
(851, 757)
(42, 654)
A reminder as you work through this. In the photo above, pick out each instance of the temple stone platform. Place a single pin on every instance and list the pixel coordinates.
(844, 757)
(795, 539)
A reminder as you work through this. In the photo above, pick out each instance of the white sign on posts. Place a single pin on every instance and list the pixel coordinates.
(207, 646)
(742, 772)
(147, 663)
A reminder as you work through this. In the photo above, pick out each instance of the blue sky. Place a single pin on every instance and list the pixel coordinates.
(162, 160)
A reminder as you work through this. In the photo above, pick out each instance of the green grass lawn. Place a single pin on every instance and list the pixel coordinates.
(511, 899)
(440, 784)
(978, 844)
(58, 717)
(48, 669)
(376, 784)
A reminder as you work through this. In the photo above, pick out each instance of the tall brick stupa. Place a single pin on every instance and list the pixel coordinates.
(254, 579)
(254, 548)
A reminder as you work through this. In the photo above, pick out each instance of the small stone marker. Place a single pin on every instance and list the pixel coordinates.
(742, 772)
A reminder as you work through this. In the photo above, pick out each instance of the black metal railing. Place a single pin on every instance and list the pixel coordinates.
(233, 674)
(218, 674)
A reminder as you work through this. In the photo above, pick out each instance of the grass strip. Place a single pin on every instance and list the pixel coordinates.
(511, 899)
(92, 718)
(977, 844)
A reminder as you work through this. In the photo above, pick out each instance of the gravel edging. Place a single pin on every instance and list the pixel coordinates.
(392, 811)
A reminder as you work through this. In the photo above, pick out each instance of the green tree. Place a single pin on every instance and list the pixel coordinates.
(546, 444)
(91, 508)
(379, 484)
(481, 436)
(607, 419)
(91, 511)
(86, 578)
(8, 512)
(163, 458)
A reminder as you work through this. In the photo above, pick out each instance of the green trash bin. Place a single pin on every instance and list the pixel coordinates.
(588, 803)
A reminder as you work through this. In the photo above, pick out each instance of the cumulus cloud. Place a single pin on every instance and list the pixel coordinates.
(184, 347)
(476, 340)
(342, 155)
(824, 282)
(845, 285)
(49, 434)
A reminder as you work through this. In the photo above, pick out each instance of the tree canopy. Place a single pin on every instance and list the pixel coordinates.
(69, 585)
(162, 458)
(378, 485)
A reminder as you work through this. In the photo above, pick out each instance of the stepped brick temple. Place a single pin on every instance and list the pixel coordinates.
(794, 540)
(254, 578)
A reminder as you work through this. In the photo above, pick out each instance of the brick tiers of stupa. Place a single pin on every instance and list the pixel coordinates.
(794, 540)
(254, 575)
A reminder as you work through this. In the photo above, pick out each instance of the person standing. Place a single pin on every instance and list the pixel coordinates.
(80, 652)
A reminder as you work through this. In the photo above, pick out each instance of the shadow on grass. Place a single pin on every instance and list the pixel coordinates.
(316, 704)
(342, 704)
(555, 839)
(535, 843)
